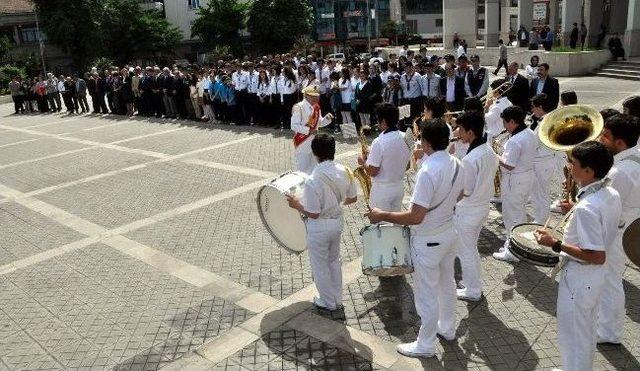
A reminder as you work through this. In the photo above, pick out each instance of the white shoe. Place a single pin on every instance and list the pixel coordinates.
(462, 294)
(412, 350)
(505, 256)
(320, 304)
(445, 337)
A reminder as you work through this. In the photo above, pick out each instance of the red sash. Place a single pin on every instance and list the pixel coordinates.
(298, 138)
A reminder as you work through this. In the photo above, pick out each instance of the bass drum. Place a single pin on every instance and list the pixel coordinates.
(285, 224)
(524, 246)
(387, 250)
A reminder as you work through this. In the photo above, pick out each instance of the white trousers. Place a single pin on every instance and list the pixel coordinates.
(468, 223)
(515, 189)
(323, 241)
(435, 287)
(387, 196)
(611, 308)
(305, 161)
(544, 171)
(577, 311)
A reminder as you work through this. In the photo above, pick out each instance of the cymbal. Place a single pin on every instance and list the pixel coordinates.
(631, 242)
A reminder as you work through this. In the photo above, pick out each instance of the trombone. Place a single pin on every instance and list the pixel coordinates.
(502, 90)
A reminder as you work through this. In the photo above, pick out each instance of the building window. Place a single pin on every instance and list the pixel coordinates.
(194, 4)
(438, 22)
(30, 35)
(412, 26)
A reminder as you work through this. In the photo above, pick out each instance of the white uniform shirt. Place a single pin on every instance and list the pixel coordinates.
(300, 117)
(594, 223)
(431, 85)
(319, 197)
(61, 87)
(264, 90)
(478, 169)
(390, 153)
(543, 153)
(384, 76)
(289, 86)
(520, 151)
(323, 78)
(494, 122)
(625, 178)
(346, 90)
(411, 86)
(434, 184)
(276, 85)
(253, 82)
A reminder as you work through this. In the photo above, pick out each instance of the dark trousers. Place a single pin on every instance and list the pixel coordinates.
(17, 103)
(52, 101)
(573, 43)
(68, 101)
(501, 62)
(276, 106)
(82, 99)
(288, 101)
(56, 96)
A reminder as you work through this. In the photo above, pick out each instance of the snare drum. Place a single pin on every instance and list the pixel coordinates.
(285, 224)
(524, 246)
(387, 250)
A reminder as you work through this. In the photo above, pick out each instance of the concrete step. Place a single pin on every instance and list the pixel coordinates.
(619, 66)
(627, 63)
(618, 76)
(609, 69)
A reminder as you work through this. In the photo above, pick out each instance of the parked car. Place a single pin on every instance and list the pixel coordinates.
(338, 57)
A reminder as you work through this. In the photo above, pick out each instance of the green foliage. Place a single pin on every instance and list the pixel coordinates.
(7, 72)
(218, 53)
(566, 49)
(29, 62)
(389, 30)
(102, 63)
(5, 46)
(276, 24)
(118, 29)
(304, 45)
(219, 24)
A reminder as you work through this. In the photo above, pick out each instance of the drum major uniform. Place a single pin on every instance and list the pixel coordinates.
(301, 124)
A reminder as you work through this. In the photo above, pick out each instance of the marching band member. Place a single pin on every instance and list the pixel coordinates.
(387, 161)
(544, 163)
(620, 136)
(494, 106)
(473, 209)
(306, 119)
(328, 187)
(433, 239)
(517, 178)
(591, 229)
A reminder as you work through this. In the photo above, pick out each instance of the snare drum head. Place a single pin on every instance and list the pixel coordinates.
(283, 223)
(524, 246)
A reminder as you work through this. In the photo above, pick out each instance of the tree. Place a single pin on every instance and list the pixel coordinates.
(219, 24)
(73, 26)
(390, 30)
(5, 46)
(276, 24)
(130, 32)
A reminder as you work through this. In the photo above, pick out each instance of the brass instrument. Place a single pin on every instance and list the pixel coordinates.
(360, 173)
(565, 128)
(502, 89)
(497, 146)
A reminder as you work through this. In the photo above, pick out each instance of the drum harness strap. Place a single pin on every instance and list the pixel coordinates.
(564, 260)
(334, 212)
(453, 181)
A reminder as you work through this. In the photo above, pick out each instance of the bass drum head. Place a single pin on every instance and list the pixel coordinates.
(631, 242)
(386, 250)
(283, 223)
(524, 246)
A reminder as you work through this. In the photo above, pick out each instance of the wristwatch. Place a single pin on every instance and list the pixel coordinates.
(557, 247)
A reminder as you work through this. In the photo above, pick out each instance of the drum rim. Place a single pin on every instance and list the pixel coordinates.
(386, 225)
(518, 252)
(370, 269)
(266, 225)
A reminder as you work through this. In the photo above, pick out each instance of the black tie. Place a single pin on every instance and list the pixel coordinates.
(534, 125)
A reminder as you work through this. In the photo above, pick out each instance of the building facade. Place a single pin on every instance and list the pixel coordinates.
(350, 22)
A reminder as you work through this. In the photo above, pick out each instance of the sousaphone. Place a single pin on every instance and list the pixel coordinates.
(631, 242)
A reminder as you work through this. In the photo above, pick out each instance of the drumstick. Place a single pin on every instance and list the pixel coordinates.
(546, 224)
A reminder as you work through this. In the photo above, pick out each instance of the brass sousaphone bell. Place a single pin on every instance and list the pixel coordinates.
(566, 127)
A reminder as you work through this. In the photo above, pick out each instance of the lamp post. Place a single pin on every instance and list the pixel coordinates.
(40, 44)
(368, 27)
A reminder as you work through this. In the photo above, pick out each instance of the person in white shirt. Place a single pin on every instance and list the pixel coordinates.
(494, 106)
(531, 70)
(592, 227)
(433, 240)
(517, 174)
(411, 84)
(306, 119)
(346, 94)
(544, 163)
(478, 167)
(476, 81)
(620, 136)
(252, 94)
(263, 92)
(387, 161)
(329, 186)
(430, 81)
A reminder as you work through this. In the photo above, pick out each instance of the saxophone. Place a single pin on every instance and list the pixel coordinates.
(360, 173)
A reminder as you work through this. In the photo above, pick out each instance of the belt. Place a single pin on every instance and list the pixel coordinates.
(564, 260)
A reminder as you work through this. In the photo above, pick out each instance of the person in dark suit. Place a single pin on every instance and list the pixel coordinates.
(452, 90)
(573, 38)
(518, 95)
(545, 84)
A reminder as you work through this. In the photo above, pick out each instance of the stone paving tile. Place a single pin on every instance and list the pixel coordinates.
(141, 193)
(132, 128)
(8, 137)
(36, 149)
(46, 173)
(182, 141)
(24, 233)
(85, 122)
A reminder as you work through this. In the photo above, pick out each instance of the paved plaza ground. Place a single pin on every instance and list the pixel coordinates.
(136, 244)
